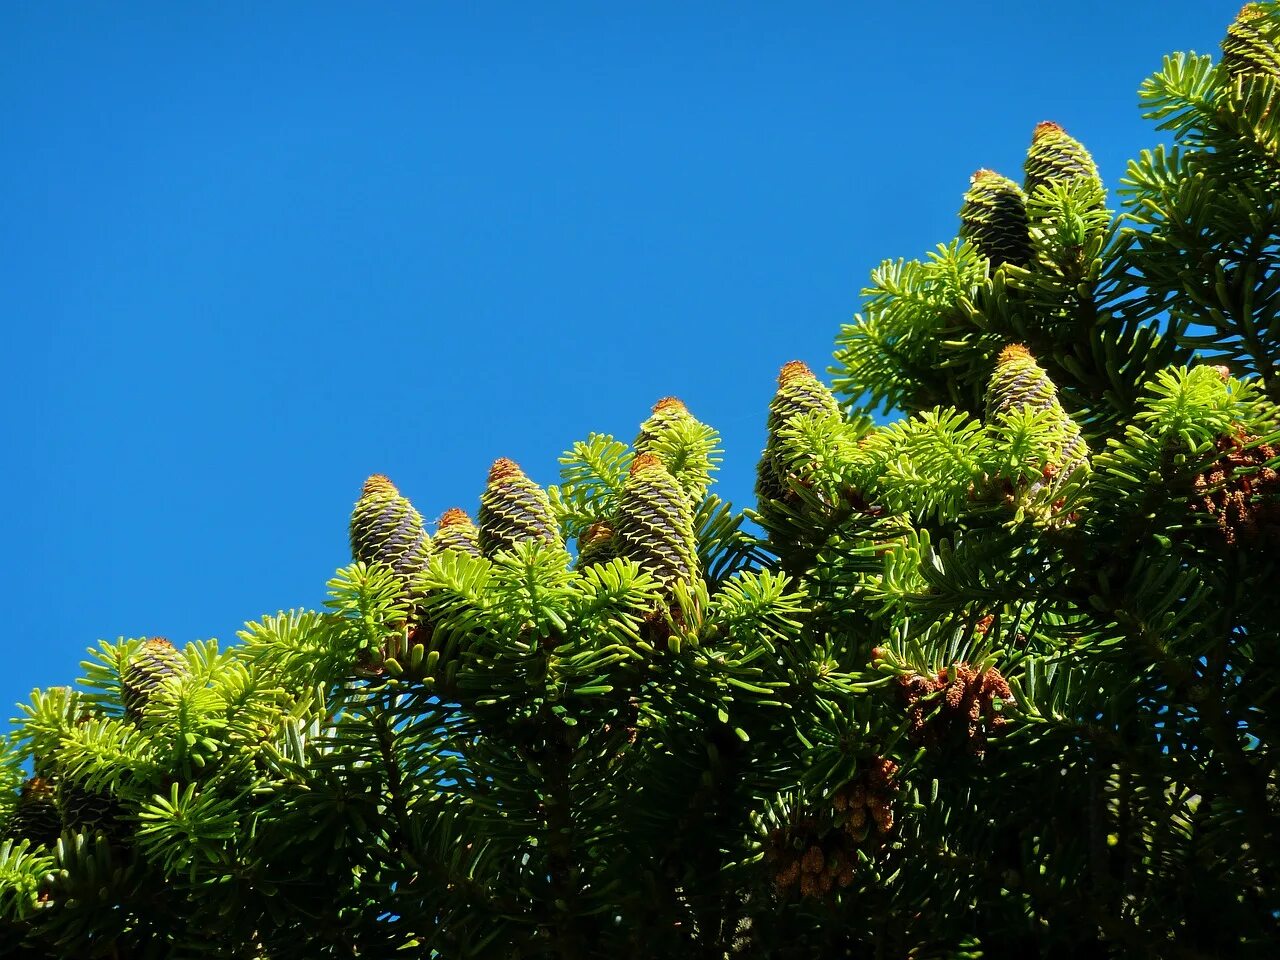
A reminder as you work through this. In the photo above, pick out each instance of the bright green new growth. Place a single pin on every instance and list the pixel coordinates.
(655, 523)
(994, 219)
(514, 509)
(386, 529)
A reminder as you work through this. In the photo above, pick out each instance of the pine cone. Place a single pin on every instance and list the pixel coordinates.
(36, 818)
(596, 545)
(456, 532)
(655, 522)
(666, 413)
(151, 664)
(386, 529)
(994, 219)
(799, 392)
(1057, 157)
(512, 509)
(90, 812)
(1250, 46)
(1017, 382)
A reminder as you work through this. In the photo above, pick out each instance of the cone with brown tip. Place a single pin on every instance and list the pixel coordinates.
(994, 219)
(514, 509)
(386, 529)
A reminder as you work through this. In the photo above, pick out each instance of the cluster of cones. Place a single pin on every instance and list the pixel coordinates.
(1239, 491)
(819, 851)
(957, 702)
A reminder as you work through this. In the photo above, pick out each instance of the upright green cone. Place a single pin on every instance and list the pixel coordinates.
(667, 412)
(799, 392)
(150, 666)
(456, 532)
(597, 544)
(36, 818)
(1250, 47)
(512, 509)
(994, 219)
(655, 522)
(1018, 382)
(1057, 157)
(386, 529)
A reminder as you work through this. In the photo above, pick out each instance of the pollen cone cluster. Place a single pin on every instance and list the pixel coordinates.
(386, 529)
(513, 509)
(799, 392)
(1057, 157)
(146, 671)
(655, 522)
(36, 817)
(818, 851)
(994, 219)
(456, 532)
(1250, 47)
(1240, 491)
(1018, 382)
(958, 703)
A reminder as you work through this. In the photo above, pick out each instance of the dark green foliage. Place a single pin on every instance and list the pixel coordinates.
(1001, 681)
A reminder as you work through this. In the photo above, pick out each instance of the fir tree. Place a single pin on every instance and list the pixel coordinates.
(998, 678)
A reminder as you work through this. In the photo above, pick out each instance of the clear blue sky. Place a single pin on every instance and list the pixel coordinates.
(254, 252)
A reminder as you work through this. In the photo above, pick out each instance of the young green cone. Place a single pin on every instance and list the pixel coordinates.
(655, 522)
(666, 413)
(456, 532)
(385, 528)
(799, 392)
(36, 817)
(1018, 382)
(1056, 157)
(1250, 47)
(151, 664)
(994, 219)
(513, 508)
(596, 545)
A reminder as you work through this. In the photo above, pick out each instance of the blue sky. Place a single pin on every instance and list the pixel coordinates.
(254, 252)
